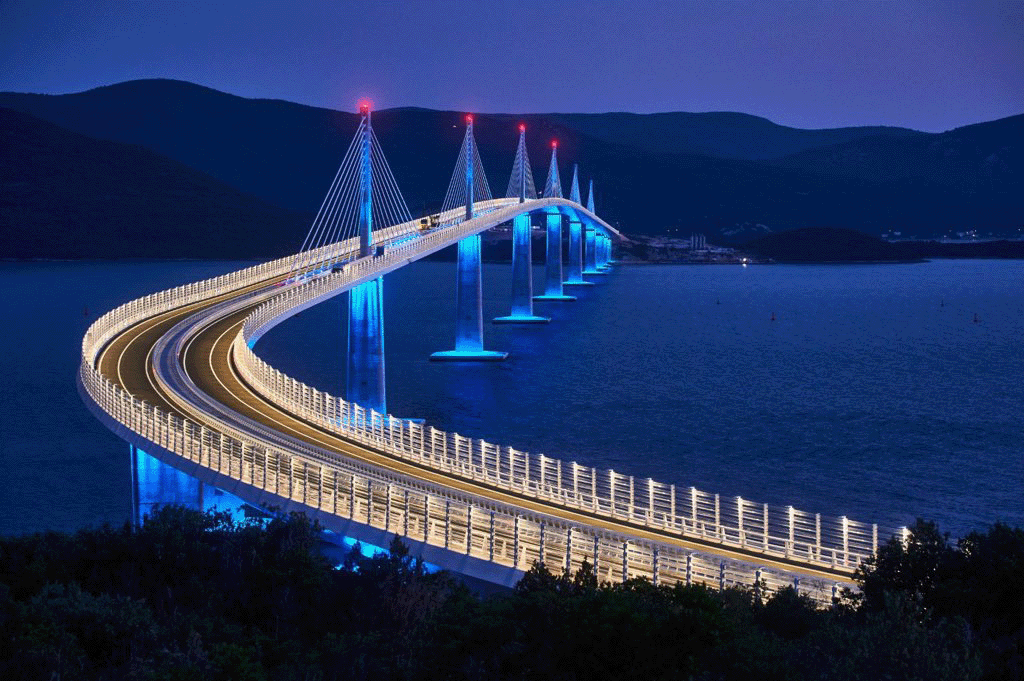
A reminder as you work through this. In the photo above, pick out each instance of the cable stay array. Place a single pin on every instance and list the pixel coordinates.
(456, 195)
(521, 182)
(553, 187)
(338, 222)
(574, 191)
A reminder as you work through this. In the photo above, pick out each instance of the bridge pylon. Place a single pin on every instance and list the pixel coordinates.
(553, 267)
(364, 376)
(592, 240)
(469, 321)
(521, 185)
(575, 277)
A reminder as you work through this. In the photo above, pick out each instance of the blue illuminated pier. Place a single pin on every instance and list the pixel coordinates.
(591, 252)
(553, 266)
(469, 320)
(521, 186)
(575, 277)
(522, 276)
(364, 378)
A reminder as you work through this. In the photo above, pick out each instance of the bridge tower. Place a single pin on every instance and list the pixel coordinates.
(575, 236)
(553, 268)
(364, 378)
(592, 238)
(469, 321)
(521, 185)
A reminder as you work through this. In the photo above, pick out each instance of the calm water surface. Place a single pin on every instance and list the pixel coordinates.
(873, 393)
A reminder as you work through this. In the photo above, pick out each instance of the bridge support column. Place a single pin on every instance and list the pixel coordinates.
(365, 375)
(604, 253)
(576, 255)
(469, 322)
(553, 268)
(592, 240)
(522, 276)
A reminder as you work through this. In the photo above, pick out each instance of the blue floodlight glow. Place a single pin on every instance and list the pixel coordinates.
(522, 319)
(469, 325)
(155, 483)
(469, 356)
(365, 375)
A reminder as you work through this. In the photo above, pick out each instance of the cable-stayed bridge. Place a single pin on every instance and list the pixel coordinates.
(176, 374)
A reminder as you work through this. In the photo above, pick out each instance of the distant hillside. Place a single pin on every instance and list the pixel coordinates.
(286, 155)
(978, 156)
(64, 195)
(829, 244)
(824, 244)
(719, 134)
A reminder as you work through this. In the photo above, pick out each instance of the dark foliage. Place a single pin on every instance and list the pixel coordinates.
(195, 596)
(977, 580)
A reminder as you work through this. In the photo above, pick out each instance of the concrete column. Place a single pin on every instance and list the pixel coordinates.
(592, 240)
(522, 276)
(365, 375)
(603, 249)
(575, 277)
(590, 252)
(469, 324)
(553, 269)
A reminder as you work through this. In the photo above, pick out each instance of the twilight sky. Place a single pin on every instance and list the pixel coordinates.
(925, 64)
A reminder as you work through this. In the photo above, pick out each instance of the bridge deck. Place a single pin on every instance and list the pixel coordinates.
(128, 360)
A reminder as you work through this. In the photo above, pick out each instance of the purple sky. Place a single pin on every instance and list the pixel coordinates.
(925, 64)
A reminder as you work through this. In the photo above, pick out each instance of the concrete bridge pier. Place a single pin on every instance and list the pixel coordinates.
(364, 383)
(553, 268)
(364, 376)
(469, 321)
(592, 241)
(609, 260)
(604, 253)
(522, 276)
(576, 254)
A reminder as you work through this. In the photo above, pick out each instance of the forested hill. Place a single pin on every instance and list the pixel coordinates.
(193, 596)
(730, 176)
(65, 195)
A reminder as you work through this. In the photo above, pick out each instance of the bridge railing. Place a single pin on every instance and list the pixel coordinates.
(780, 532)
(504, 533)
(499, 533)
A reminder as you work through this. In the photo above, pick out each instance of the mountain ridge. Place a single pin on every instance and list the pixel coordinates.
(285, 153)
(65, 195)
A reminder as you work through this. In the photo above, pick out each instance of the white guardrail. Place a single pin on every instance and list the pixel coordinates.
(445, 517)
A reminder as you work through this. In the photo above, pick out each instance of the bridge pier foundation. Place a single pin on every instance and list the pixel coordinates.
(469, 325)
(522, 276)
(553, 268)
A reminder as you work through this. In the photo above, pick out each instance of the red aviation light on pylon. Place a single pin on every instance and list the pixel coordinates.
(554, 144)
(469, 119)
(364, 106)
(522, 127)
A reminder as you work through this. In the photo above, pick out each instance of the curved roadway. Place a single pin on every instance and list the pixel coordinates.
(205, 355)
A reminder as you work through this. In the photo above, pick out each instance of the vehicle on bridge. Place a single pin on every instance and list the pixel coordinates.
(430, 222)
